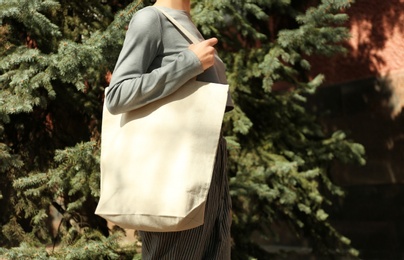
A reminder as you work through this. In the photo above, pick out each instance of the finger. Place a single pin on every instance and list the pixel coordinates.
(211, 41)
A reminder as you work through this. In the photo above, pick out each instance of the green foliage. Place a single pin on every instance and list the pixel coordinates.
(55, 56)
(89, 246)
(279, 151)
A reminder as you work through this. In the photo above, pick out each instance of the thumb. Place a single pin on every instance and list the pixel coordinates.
(211, 41)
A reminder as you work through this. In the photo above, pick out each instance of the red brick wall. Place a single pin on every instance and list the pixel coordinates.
(376, 47)
(370, 111)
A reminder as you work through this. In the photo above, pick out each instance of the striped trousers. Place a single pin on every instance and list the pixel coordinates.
(210, 241)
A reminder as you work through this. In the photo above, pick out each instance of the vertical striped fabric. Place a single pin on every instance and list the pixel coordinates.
(211, 240)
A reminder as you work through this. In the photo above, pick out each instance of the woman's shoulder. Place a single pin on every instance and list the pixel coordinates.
(149, 13)
(147, 17)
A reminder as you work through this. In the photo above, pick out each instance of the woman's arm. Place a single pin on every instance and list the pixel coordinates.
(132, 86)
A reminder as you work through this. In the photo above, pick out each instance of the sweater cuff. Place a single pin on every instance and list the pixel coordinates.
(195, 63)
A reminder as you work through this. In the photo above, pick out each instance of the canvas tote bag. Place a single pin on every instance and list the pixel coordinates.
(157, 161)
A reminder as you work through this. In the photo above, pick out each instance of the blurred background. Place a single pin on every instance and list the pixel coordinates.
(316, 141)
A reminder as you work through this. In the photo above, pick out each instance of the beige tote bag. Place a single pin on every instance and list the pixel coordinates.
(157, 161)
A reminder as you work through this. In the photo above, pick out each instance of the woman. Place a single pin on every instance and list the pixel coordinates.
(154, 62)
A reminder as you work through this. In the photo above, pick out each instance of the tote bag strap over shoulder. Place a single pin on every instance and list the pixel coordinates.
(189, 35)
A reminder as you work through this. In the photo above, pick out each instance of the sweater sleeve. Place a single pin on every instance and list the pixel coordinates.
(132, 85)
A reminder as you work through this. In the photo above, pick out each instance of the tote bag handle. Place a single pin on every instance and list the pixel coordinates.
(189, 35)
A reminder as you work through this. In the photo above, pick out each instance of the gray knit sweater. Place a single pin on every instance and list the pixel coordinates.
(155, 61)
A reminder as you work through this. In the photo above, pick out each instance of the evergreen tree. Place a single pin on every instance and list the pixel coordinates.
(55, 58)
(279, 152)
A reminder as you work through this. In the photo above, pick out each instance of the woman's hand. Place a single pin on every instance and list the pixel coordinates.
(205, 52)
